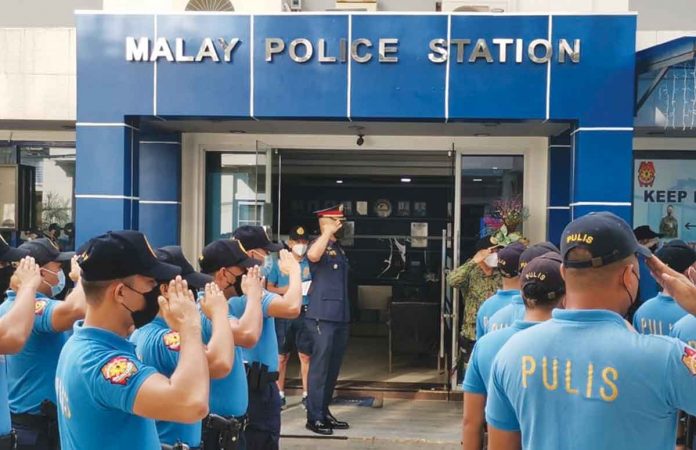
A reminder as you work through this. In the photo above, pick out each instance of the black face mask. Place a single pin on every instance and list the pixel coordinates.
(633, 307)
(236, 284)
(146, 315)
(5, 276)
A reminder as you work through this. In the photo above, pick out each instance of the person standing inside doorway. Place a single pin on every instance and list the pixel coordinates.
(292, 334)
(328, 316)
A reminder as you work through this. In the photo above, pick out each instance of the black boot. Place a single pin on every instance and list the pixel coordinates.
(319, 427)
(335, 423)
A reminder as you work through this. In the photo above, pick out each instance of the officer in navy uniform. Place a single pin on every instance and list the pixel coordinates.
(328, 317)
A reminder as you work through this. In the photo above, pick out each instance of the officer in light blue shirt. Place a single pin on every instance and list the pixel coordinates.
(584, 380)
(109, 399)
(263, 430)
(658, 315)
(30, 373)
(515, 310)
(543, 289)
(508, 266)
(157, 345)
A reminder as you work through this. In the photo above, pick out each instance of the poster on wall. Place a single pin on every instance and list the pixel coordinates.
(664, 197)
(419, 234)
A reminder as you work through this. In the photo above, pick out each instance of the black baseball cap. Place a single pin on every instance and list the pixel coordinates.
(298, 233)
(542, 277)
(535, 251)
(120, 254)
(252, 237)
(677, 255)
(10, 254)
(509, 259)
(605, 235)
(644, 232)
(172, 254)
(225, 253)
(44, 251)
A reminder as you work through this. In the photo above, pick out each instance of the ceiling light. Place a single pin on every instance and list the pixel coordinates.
(478, 180)
(495, 168)
(339, 181)
(405, 180)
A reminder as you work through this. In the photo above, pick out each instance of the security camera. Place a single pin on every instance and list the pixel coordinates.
(361, 139)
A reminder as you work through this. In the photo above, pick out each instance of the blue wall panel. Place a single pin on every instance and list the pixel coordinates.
(496, 90)
(95, 216)
(205, 88)
(287, 89)
(106, 160)
(557, 221)
(625, 212)
(160, 171)
(160, 223)
(108, 86)
(559, 176)
(414, 87)
(603, 166)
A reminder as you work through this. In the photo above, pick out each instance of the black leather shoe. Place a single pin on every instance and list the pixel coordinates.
(335, 423)
(319, 427)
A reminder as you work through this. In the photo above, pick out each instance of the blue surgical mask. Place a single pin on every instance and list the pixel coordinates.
(267, 265)
(58, 287)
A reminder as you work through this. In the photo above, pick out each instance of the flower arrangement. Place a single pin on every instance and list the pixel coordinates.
(504, 219)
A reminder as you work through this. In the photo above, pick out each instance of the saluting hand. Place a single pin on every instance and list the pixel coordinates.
(679, 286)
(179, 308)
(253, 283)
(75, 270)
(334, 226)
(27, 274)
(214, 301)
(287, 263)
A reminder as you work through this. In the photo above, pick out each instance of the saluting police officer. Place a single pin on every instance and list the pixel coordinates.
(263, 431)
(583, 380)
(31, 372)
(157, 345)
(235, 273)
(108, 398)
(328, 317)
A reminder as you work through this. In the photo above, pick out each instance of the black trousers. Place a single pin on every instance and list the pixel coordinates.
(330, 342)
(263, 430)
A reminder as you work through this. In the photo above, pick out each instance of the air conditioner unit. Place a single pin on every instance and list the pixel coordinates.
(482, 6)
(356, 5)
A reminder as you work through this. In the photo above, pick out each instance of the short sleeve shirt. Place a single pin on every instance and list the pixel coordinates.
(266, 349)
(573, 381)
(507, 314)
(280, 279)
(685, 330)
(97, 382)
(492, 305)
(658, 315)
(31, 372)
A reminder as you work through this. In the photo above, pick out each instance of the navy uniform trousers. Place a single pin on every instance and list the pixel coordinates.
(330, 342)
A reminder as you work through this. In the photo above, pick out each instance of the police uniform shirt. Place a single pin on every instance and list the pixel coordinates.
(281, 280)
(266, 349)
(479, 368)
(685, 330)
(658, 315)
(229, 396)
(5, 422)
(97, 382)
(507, 314)
(328, 295)
(492, 305)
(158, 346)
(583, 380)
(31, 372)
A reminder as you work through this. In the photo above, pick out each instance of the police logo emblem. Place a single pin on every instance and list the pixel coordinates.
(119, 370)
(39, 307)
(300, 231)
(172, 341)
(689, 359)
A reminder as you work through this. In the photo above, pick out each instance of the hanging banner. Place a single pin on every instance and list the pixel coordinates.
(664, 197)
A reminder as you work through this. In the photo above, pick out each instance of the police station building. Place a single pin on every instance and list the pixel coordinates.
(188, 124)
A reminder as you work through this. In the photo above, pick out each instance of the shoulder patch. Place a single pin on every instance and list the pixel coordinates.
(172, 341)
(119, 370)
(39, 307)
(689, 359)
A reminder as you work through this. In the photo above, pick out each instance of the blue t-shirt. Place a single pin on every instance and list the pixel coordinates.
(658, 315)
(5, 422)
(229, 396)
(507, 314)
(158, 346)
(280, 279)
(32, 371)
(573, 381)
(97, 382)
(685, 330)
(266, 349)
(479, 368)
(492, 305)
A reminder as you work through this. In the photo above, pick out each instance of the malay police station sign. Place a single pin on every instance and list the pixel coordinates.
(361, 50)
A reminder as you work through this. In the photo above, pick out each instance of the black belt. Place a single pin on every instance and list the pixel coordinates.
(258, 376)
(8, 441)
(30, 420)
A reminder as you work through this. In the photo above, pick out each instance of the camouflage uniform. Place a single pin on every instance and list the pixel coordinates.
(475, 287)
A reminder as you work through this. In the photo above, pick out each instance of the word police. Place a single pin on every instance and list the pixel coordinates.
(384, 50)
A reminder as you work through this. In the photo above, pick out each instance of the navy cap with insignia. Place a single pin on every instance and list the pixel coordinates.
(10, 254)
(606, 236)
(172, 254)
(509, 259)
(298, 233)
(120, 254)
(225, 253)
(534, 251)
(541, 279)
(677, 255)
(252, 237)
(334, 212)
(44, 251)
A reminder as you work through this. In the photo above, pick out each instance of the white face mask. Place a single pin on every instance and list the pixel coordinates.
(491, 260)
(299, 249)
